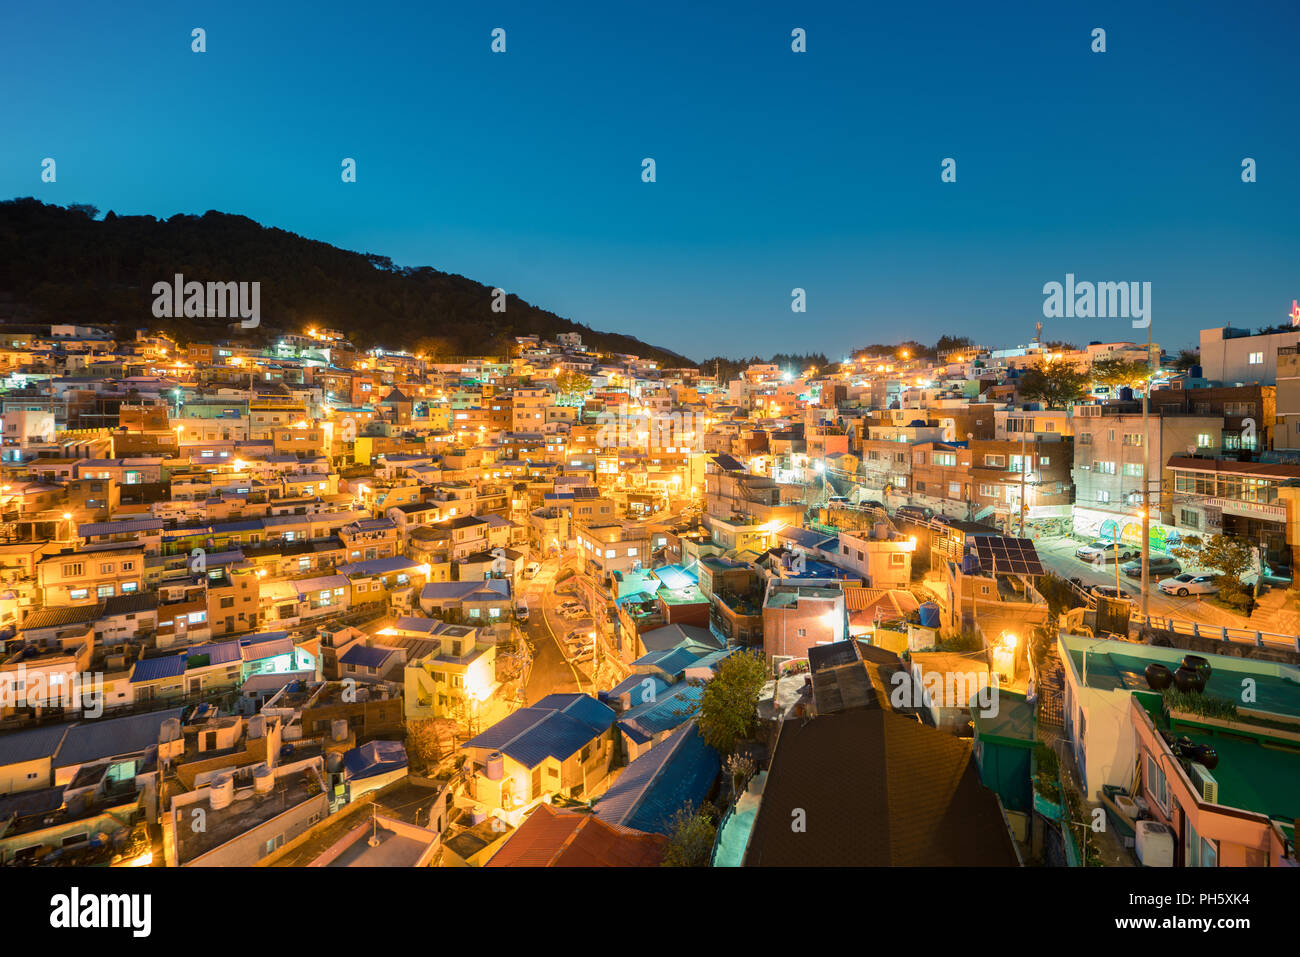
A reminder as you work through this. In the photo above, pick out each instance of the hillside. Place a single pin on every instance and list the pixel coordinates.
(62, 265)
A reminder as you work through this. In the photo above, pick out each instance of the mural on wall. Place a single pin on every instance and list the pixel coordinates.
(1098, 525)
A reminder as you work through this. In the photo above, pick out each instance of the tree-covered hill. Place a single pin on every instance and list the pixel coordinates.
(64, 265)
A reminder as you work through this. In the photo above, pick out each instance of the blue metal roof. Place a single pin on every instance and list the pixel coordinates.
(636, 688)
(151, 669)
(558, 726)
(678, 771)
(585, 708)
(375, 757)
(671, 661)
(664, 713)
(362, 656)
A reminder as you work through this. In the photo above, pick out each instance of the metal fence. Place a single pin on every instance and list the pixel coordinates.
(1197, 629)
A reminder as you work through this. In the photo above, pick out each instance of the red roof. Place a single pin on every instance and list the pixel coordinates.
(551, 838)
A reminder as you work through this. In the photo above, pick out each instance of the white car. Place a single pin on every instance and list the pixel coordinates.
(1189, 584)
(1102, 551)
(1109, 591)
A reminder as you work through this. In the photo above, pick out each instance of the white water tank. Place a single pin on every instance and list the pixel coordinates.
(221, 791)
(169, 731)
(339, 729)
(256, 726)
(495, 768)
(263, 779)
(478, 814)
(1155, 844)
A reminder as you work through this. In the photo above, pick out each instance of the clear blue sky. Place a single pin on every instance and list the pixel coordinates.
(775, 169)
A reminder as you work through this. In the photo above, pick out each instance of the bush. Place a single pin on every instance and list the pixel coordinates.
(691, 837)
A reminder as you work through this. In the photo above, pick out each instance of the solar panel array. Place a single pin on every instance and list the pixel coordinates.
(1014, 556)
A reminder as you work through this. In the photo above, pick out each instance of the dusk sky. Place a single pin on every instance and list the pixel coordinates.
(775, 170)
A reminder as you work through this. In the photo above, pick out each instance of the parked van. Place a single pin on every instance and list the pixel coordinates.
(532, 569)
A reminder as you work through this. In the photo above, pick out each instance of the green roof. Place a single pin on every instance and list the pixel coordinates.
(1255, 777)
(1120, 665)
(1014, 722)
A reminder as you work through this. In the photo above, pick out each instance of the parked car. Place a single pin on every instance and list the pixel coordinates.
(1102, 551)
(521, 612)
(1158, 567)
(1189, 584)
(1109, 591)
(579, 635)
(532, 569)
(872, 503)
(915, 513)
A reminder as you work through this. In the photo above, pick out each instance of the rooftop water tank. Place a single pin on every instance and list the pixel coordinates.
(929, 612)
(478, 814)
(496, 766)
(339, 729)
(221, 791)
(169, 731)
(256, 726)
(263, 779)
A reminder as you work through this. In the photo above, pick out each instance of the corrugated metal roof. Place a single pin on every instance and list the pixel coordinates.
(547, 729)
(678, 771)
(118, 528)
(379, 566)
(31, 744)
(94, 740)
(152, 669)
(57, 617)
(662, 714)
(361, 656)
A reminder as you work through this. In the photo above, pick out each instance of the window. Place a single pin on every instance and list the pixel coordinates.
(1197, 851)
(1133, 468)
(1044, 461)
(73, 570)
(1103, 496)
(1256, 359)
(1106, 468)
(1189, 519)
(1155, 782)
(104, 591)
(1205, 441)
(995, 461)
(989, 491)
(77, 594)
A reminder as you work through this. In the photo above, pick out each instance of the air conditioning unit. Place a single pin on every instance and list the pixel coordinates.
(1155, 844)
(1205, 783)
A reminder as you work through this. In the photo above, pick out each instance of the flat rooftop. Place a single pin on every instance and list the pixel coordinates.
(1120, 665)
(228, 823)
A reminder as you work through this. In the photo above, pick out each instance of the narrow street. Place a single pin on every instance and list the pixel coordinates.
(551, 672)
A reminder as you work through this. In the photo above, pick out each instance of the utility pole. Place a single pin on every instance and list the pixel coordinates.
(1024, 470)
(1146, 487)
